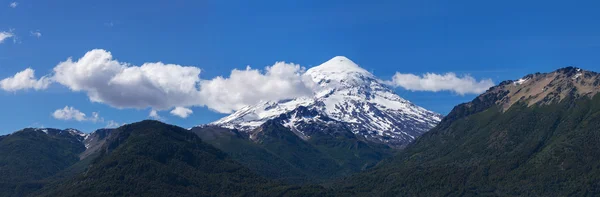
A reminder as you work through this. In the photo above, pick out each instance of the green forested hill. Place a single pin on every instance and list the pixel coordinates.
(541, 150)
(278, 153)
(151, 158)
(29, 156)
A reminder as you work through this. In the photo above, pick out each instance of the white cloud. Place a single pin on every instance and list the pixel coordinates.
(112, 124)
(13, 4)
(181, 112)
(121, 85)
(5, 35)
(162, 86)
(70, 113)
(246, 87)
(154, 115)
(437, 82)
(24, 80)
(36, 33)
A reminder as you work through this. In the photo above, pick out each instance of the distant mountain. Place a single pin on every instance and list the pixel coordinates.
(150, 158)
(535, 136)
(29, 156)
(345, 95)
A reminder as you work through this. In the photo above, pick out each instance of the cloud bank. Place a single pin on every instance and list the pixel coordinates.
(438, 82)
(161, 86)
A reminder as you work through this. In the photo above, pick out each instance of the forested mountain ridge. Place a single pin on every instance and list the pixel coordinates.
(150, 158)
(528, 137)
(29, 156)
(274, 151)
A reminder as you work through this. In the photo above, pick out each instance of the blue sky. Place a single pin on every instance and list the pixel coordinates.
(497, 40)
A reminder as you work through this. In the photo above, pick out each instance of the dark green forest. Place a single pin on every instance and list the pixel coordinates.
(542, 150)
(28, 157)
(280, 154)
(151, 158)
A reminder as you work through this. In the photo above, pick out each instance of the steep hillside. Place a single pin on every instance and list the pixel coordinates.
(252, 155)
(531, 137)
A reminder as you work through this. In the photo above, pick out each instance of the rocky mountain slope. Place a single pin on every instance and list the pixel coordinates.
(547, 88)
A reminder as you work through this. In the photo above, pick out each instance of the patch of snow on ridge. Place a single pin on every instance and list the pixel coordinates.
(75, 132)
(520, 81)
(45, 130)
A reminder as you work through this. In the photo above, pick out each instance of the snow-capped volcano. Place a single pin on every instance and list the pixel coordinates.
(346, 95)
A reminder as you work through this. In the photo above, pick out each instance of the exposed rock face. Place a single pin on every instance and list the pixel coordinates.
(546, 88)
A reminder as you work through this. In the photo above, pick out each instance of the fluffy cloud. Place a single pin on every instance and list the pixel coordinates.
(162, 86)
(5, 35)
(36, 33)
(154, 115)
(121, 85)
(13, 4)
(446, 82)
(181, 112)
(246, 87)
(70, 113)
(24, 80)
